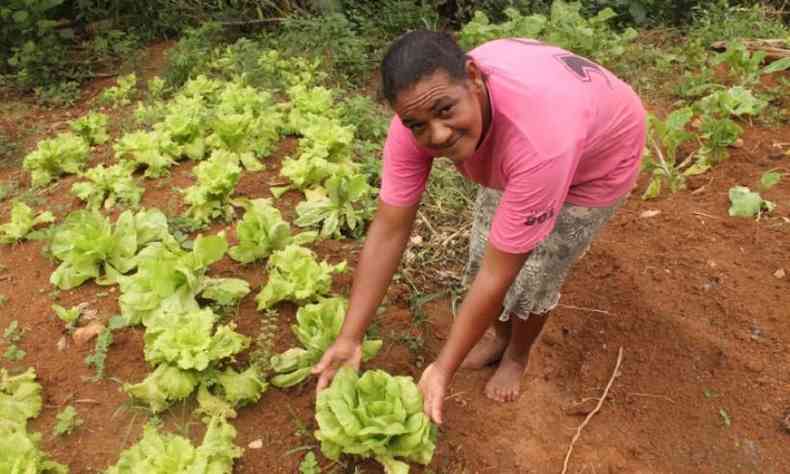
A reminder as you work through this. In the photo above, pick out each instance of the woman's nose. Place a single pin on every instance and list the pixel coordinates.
(440, 134)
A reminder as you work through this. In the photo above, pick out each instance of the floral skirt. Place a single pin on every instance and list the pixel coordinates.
(537, 286)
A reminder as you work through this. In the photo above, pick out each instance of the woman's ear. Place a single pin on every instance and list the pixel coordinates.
(474, 75)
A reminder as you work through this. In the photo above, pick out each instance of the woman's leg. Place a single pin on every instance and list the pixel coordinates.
(490, 348)
(537, 290)
(505, 384)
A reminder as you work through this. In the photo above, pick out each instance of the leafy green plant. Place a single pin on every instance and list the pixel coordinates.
(717, 134)
(346, 206)
(565, 27)
(744, 66)
(41, 63)
(395, 428)
(770, 178)
(121, 93)
(165, 385)
(14, 353)
(89, 246)
(66, 421)
(12, 335)
(215, 455)
(263, 231)
(664, 139)
(191, 55)
(747, 203)
(66, 153)
(246, 120)
(169, 279)
(369, 121)
(209, 197)
(278, 71)
(220, 391)
(109, 44)
(736, 101)
(155, 150)
(296, 275)
(92, 128)
(190, 340)
(308, 103)
(107, 186)
(331, 36)
(69, 316)
(156, 88)
(325, 150)
(20, 400)
(317, 326)
(714, 21)
(184, 122)
(22, 222)
(309, 464)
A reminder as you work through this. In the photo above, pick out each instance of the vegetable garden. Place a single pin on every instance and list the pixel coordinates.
(179, 243)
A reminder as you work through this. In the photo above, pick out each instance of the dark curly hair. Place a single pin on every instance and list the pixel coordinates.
(416, 55)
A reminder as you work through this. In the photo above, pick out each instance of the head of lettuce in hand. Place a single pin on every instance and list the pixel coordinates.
(375, 415)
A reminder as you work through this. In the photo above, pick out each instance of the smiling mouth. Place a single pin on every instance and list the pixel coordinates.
(451, 144)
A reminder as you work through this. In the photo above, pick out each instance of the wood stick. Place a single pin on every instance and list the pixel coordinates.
(582, 308)
(592, 413)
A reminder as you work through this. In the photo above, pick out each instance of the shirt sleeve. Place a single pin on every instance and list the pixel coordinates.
(406, 167)
(529, 206)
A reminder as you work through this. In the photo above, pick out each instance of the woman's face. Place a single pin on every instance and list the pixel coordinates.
(446, 116)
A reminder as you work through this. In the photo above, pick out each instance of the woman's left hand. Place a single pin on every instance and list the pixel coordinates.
(434, 384)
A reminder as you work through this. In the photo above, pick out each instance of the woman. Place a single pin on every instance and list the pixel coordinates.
(555, 142)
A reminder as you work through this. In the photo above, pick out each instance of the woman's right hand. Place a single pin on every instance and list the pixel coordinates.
(345, 351)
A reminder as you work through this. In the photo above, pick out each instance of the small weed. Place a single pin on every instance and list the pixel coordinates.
(415, 343)
(67, 421)
(301, 429)
(264, 343)
(13, 333)
(103, 342)
(61, 94)
(3, 299)
(309, 464)
(14, 353)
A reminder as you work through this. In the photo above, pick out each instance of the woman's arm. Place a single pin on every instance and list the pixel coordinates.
(482, 305)
(381, 255)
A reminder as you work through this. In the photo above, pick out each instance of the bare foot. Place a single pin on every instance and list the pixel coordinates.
(488, 350)
(505, 384)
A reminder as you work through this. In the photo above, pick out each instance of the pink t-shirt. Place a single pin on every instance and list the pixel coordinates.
(563, 129)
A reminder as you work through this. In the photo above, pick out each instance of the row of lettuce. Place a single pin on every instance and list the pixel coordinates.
(228, 127)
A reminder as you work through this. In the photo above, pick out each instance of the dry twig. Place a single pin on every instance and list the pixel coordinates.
(582, 308)
(592, 413)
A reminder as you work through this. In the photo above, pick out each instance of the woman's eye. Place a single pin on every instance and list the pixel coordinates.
(445, 111)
